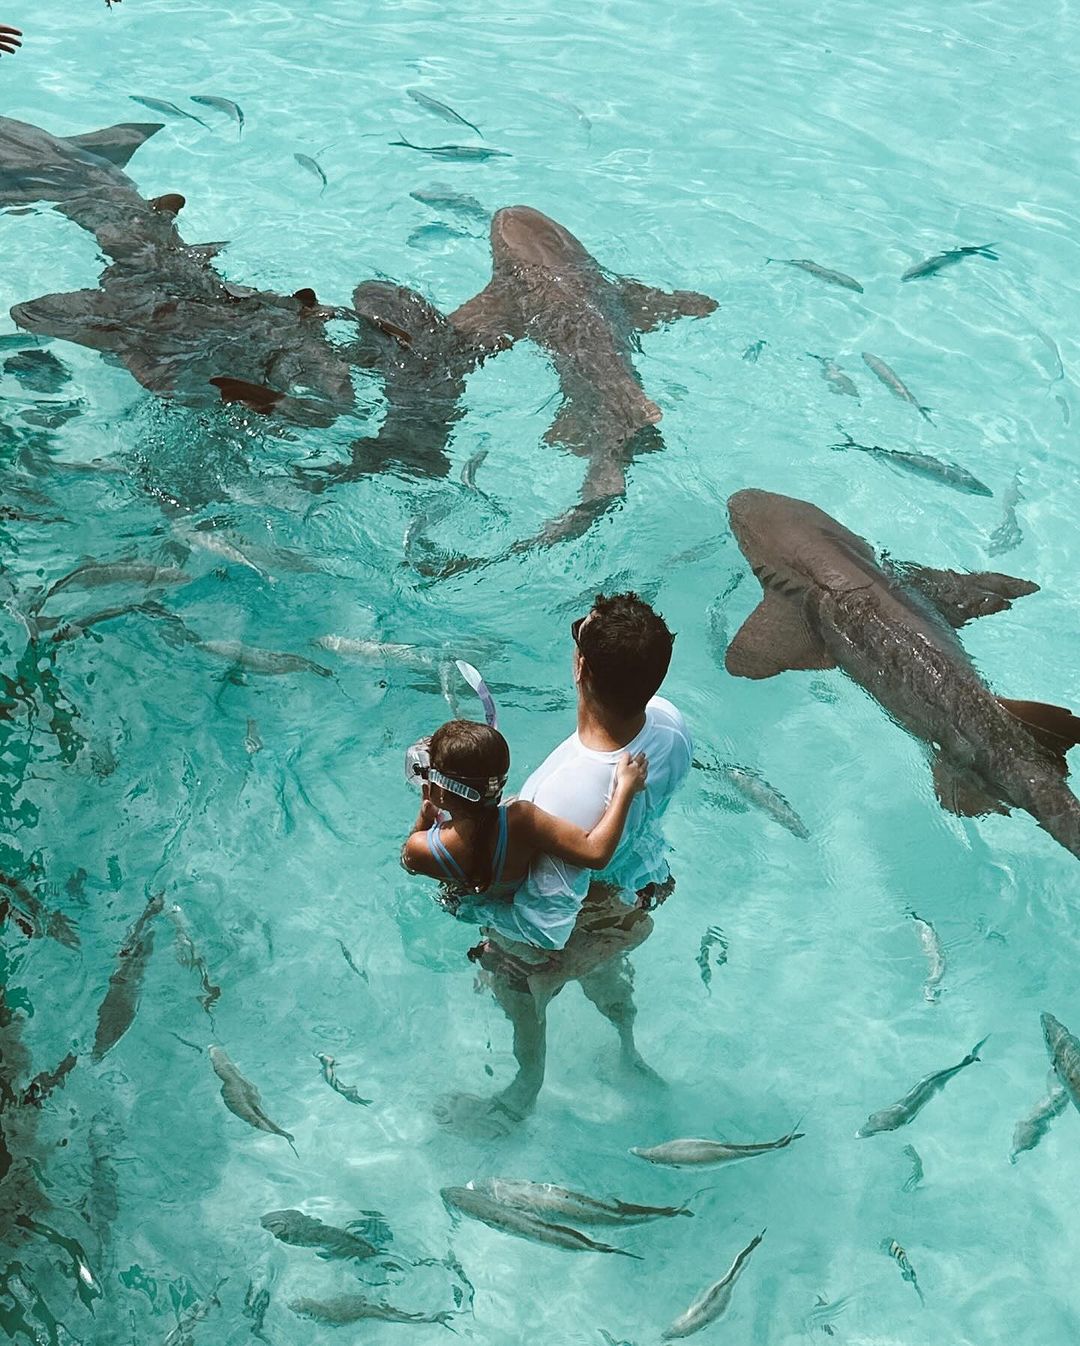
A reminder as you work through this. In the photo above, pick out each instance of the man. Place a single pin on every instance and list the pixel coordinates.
(566, 924)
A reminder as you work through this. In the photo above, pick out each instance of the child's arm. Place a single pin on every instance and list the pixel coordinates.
(416, 854)
(590, 850)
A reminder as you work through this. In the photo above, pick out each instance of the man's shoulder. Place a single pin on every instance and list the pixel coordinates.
(663, 714)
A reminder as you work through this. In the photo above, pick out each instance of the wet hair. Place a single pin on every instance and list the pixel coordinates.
(626, 647)
(474, 754)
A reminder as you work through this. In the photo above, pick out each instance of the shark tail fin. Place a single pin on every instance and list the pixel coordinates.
(116, 143)
(648, 307)
(1054, 727)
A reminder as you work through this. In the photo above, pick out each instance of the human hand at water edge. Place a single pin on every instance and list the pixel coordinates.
(9, 39)
(632, 773)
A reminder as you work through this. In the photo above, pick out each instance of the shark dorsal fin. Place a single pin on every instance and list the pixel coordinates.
(774, 638)
(116, 143)
(647, 307)
(960, 596)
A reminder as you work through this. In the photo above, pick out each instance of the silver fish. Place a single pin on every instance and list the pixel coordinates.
(713, 936)
(757, 790)
(381, 652)
(1064, 1052)
(935, 958)
(834, 376)
(306, 161)
(700, 1153)
(822, 1314)
(916, 1175)
(117, 1010)
(750, 355)
(943, 259)
(341, 1309)
(899, 1256)
(907, 1108)
(211, 540)
(544, 1199)
(509, 1220)
(923, 465)
(821, 272)
(242, 1098)
(169, 109)
(351, 961)
(1030, 1130)
(304, 1231)
(712, 1302)
(468, 472)
(98, 575)
(1008, 534)
(894, 383)
(188, 956)
(252, 740)
(181, 1333)
(442, 110)
(329, 1074)
(225, 105)
(256, 660)
(458, 153)
(442, 197)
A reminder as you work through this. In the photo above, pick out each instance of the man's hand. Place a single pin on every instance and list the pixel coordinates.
(10, 39)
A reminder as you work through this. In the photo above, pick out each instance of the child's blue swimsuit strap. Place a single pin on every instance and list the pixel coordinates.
(452, 871)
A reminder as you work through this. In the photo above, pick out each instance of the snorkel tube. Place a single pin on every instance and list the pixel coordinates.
(417, 758)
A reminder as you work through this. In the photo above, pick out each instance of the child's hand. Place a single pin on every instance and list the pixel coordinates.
(632, 772)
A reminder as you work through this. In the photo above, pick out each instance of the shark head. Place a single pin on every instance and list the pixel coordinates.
(521, 236)
(792, 542)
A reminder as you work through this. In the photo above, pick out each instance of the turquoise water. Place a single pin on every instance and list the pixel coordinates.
(684, 145)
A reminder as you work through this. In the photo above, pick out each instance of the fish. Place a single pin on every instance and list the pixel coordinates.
(1064, 1052)
(347, 1091)
(439, 196)
(30, 914)
(943, 259)
(1030, 1129)
(703, 1153)
(37, 370)
(188, 956)
(351, 962)
(544, 1199)
(442, 110)
(509, 1220)
(821, 272)
(252, 739)
(181, 1333)
(923, 465)
(242, 1098)
(434, 235)
(916, 1175)
(225, 105)
(834, 376)
(256, 1302)
(257, 660)
(304, 1231)
(469, 471)
(750, 355)
(167, 109)
(117, 1011)
(306, 161)
(713, 1302)
(101, 574)
(907, 1271)
(753, 787)
(342, 1309)
(895, 383)
(209, 539)
(827, 602)
(713, 936)
(1008, 534)
(935, 957)
(908, 1108)
(43, 1084)
(822, 1314)
(464, 154)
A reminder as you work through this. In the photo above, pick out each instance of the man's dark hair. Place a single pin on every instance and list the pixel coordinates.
(627, 649)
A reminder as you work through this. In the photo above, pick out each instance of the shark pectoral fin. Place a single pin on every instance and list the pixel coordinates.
(961, 596)
(959, 792)
(1053, 726)
(647, 308)
(252, 395)
(773, 639)
(116, 143)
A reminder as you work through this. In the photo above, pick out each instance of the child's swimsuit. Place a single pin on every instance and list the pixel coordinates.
(499, 889)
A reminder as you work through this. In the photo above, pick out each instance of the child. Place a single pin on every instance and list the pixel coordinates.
(486, 848)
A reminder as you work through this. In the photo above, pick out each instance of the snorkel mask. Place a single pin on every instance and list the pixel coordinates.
(418, 768)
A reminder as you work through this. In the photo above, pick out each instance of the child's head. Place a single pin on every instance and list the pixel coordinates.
(469, 763)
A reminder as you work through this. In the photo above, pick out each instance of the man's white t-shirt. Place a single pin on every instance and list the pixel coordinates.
(575, 783)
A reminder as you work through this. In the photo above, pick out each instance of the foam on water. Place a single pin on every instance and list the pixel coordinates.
(684, 145)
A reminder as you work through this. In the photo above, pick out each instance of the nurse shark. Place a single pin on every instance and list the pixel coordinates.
(828, 603)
